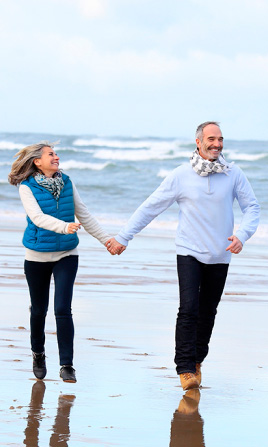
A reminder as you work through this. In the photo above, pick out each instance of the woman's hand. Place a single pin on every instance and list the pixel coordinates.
(73, 227)
(114, 247)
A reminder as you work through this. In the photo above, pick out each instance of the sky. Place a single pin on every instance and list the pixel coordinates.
(134, 67)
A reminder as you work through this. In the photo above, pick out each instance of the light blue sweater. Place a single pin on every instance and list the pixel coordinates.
(206, 217)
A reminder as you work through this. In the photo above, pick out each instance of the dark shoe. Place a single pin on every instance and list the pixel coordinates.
(39, 365)
(67, 373)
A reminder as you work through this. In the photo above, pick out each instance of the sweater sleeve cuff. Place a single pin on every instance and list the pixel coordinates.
(241, 237)
(121, 240)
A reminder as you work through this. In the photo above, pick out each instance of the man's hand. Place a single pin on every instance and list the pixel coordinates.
(236, 245)
(114, 247)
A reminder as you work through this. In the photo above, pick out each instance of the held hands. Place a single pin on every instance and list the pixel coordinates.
(236, 245)
(73, 227)
(114, 247)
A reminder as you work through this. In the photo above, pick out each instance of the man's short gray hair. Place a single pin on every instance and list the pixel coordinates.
(199, 130)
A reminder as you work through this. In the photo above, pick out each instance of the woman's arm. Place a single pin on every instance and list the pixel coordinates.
(90, 224)
(39, 218)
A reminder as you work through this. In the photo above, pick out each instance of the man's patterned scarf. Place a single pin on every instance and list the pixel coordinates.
(205, 167)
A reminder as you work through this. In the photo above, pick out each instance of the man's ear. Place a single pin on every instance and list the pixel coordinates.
(198, 142)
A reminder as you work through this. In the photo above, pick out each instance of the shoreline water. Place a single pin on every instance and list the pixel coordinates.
(115, 174)
(127, 392)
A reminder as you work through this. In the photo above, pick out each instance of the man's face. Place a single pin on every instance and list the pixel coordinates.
(212, 142)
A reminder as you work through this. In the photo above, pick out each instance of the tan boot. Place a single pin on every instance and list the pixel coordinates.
(188, 381)
(198, 374)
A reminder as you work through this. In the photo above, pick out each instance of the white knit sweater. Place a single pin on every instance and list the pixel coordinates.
(51, 223)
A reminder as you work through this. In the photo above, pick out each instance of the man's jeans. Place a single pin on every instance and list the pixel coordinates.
(38, 275)
(201, 286)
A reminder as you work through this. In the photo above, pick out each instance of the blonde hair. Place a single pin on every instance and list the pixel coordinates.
(24, 166)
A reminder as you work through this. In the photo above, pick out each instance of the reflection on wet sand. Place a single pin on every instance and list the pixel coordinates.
(187, 424)
(61, 430)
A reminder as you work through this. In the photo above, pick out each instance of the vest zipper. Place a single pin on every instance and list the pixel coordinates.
(57, 235)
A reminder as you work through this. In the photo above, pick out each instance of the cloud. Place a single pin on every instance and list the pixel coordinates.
(151, 68)
(149, 56)
(90, 9)
(78, 59)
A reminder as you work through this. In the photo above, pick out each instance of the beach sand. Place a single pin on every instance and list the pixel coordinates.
(128, 393)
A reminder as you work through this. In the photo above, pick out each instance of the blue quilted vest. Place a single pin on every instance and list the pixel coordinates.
(39, 239)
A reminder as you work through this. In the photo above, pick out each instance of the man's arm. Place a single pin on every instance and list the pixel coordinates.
(161, 199)
(249, 207)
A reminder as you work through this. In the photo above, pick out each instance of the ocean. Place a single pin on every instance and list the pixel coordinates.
(125, 309)
(115, 174)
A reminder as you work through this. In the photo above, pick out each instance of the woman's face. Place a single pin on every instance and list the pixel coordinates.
(48, 163)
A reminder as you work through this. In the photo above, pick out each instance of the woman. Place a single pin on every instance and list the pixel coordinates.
(51, 202)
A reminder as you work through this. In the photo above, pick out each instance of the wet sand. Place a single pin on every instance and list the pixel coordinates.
(127, 392)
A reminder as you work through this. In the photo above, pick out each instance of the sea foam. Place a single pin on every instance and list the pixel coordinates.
(98, 142)
(10, 146)
(73, 164)
(247, 157)
(140, 155)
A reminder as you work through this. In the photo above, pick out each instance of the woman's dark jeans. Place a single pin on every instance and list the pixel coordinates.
(38, 275)
(201, 286)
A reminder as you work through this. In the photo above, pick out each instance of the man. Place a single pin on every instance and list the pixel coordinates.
(205, 190)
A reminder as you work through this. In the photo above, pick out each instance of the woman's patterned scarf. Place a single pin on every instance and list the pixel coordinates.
(53, 184)
(205, 167)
